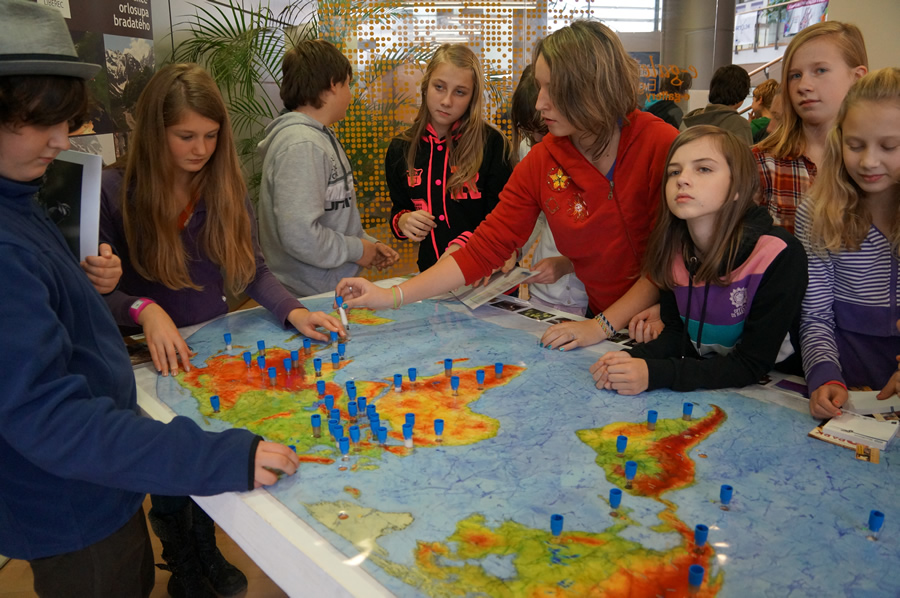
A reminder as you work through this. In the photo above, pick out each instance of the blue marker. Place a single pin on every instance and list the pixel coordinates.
(361, 401)
(248, 358)
(320, 388)
(615, 499)
(408, 435)
(261, 363)
(412, 376)
(332, 424)
(335, 360)
(621, 443)
(411, 419)
(354, 434)
(695, 576)
(317, 425)
(556, 524)
(454, 384)
(307, 346)
(287, 366)
(214, 403)
(351, 410)
(344, 444)
(374, 425)
(651, 419)
(448, 367)
(370, 410)
(479, 376)
(295, 359)
(686, 411)
(342, 349)
(439, 429)
(630, 471)
(498, 370)
(335, 414)
(317, 364)
(261, 345)
(329, 402)
(398, 382)
(273, 373)
(876, 521)
(334, 336)
(351, 389)
(725, 493)
(701, 533)
(228, 341)
(382, 435)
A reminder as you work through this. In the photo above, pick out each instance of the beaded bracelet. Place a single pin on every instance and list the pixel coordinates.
(605, 325)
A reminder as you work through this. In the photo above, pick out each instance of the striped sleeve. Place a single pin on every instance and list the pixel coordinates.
(821, 360)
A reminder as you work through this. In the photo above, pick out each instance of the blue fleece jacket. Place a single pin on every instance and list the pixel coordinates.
(76, 458)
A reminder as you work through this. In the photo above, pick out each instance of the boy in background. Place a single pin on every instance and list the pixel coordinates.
(727, 91)
(309, 225)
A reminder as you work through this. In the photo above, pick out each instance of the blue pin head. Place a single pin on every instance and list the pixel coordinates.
(329, 402)
(382, 434)
(630, 470)
(287, 365)
(261, 345)
(370, 410)
(398, 380)
(344, 444)
(701, 533)
(248, 357)
(621, 443)
(261, 362)
(273, 373)
(454, 382)
(334, 336)
(339, 301)
(214, 402)
(411, 418)
(354, 433)
(479, 376)
(334, 414)
(651, 416)
(374, 423)
(316, 420)
(438, 427)
(335, 358)
(351, 408)
(295, 355)
(363, 408)
(320, 387)
(307, 343)
(688, 408)
(342, 348)
(498, 369)
(876, 520)
(615, 497)
(227, 338)
(556, 524)
(695, 575)
(725, 494)
(317, 363)
(448, 364)
(407, 431)
(412, 374)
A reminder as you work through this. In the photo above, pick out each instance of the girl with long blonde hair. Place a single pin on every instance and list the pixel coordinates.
(179, 216)
(445, 173)
(850, 226)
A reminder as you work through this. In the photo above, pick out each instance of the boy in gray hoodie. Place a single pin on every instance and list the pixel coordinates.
(309, 225)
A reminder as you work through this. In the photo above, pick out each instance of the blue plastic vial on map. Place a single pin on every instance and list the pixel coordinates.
(371, 409)
(556, 524)
(261, 345)
(287, 365)
(407, 431)
(261, 363)
(342, 349)
(374, 423)
(686, 411)
(411, 419)
(398, 382)
(228, 341)
(630, 470)
(615, 498)
(695, 576)
(448, 366)
(351, 409)
(334, 336)
(412, 374)
(316, 421)
(335, 359)
(498, 370)
(351, 392)
(701, 533)
(479, 376)
(320, 388)
(454, 384)
(725, 494)
(317, 364)
(438, 427)
(344, 444)
(876, 521)
(273, 373)
(621, 443)
(295, 358)
(651, 419)
(354, 434)
(335, 414)
(329, 402)
(361, 401)
(307, 346)
(214, 403)
(248, 358)
(382, 434)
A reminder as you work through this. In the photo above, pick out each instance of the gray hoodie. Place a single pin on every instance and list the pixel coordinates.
(309, 225)
(722, 117)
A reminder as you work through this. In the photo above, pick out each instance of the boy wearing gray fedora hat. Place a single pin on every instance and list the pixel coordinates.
(77, 456)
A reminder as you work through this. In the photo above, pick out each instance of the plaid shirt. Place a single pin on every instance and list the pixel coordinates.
(783, 183)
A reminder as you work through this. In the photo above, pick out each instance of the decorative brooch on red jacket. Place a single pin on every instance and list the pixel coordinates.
(558, 179)
(577, 207)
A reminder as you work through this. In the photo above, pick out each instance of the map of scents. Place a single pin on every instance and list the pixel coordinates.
(493, 467)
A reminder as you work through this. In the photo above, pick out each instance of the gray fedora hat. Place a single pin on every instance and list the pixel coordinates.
(34, 40)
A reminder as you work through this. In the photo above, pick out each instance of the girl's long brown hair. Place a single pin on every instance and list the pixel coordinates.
(526, 119)
(671, 240)
(839, 218)
(466, 144)
(787, 140)
(149, 208)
